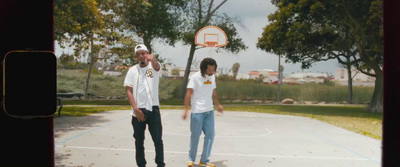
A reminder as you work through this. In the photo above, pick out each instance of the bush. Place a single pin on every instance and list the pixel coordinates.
(250, 90)
(166, 89)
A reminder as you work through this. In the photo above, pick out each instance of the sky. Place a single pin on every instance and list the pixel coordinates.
(253, 15)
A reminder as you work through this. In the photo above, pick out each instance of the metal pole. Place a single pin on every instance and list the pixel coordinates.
(279, 79)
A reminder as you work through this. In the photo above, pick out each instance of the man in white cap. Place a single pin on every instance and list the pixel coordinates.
(141, 83)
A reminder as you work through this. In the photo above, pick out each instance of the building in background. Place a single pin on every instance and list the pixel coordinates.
(341, 77)
(305, 77)
(308, 75)
(169, 70)
(267, 75)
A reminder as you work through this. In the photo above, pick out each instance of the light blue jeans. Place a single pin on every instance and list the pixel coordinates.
(201, 122)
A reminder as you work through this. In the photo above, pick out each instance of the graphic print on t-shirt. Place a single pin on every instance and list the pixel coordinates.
(207, 82)
(149, 73)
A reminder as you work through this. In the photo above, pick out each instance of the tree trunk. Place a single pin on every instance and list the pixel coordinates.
(279, 80)
(147, 42)
(349, 85)
(90, 67)
(187, 71)
(376, 104)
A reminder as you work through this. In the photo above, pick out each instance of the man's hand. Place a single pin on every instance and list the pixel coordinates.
(220, 108)
(150, 57)
(153, 60)
(188, 95)
(139, 115)
(185, 114)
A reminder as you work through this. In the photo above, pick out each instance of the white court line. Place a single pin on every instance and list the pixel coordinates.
(268, 132)
(252, 115)
(220, 154)
(100, 128)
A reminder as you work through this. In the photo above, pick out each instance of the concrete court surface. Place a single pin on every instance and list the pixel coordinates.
(243, 139)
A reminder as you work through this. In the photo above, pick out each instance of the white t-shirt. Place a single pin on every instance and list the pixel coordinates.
(142, 93)
(203, 87)
(144, 82)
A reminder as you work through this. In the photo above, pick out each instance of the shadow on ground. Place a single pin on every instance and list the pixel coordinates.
(65, 124)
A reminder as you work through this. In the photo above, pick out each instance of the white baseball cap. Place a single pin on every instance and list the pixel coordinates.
(141, 47)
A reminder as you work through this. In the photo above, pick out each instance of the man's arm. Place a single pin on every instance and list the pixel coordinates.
(189, 93)
(216, 102)
(139, 114)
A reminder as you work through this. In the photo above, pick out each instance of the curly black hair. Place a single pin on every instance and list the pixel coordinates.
(205, 63)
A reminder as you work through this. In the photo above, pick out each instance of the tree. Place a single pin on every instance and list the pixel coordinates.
(114, 34)
(310, 31)
(78, 21)
(175, 71)
(92, 26)
(201, 13)
(152, 19)
(66, 59)
(125, 49)
(235, 69)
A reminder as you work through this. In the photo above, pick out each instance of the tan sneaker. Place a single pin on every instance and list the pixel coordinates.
(208, 164)
(190, 163)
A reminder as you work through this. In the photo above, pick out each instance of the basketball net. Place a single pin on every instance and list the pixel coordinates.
(211, 48)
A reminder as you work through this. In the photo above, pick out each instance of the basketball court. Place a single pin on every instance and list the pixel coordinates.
(242, 139)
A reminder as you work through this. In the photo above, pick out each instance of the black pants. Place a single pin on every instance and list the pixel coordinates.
(153, 119)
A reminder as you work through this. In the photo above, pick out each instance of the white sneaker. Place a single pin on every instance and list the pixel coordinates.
(190, 163)
(208, 164)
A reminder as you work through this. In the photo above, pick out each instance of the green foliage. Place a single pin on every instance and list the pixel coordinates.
(225, 77)
(235, 69)
(310, 31)
(153, 19)
(175, 71)
(73, 81)
(251, 90)
(327, 81)
(166, 89)
(227, 24)
(76, 20)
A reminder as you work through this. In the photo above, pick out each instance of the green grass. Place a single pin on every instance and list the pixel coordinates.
(95, 102)
(87, 110)
(115, 102)
(351, 117)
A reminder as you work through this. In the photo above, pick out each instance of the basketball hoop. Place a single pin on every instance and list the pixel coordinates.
(211, 36)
